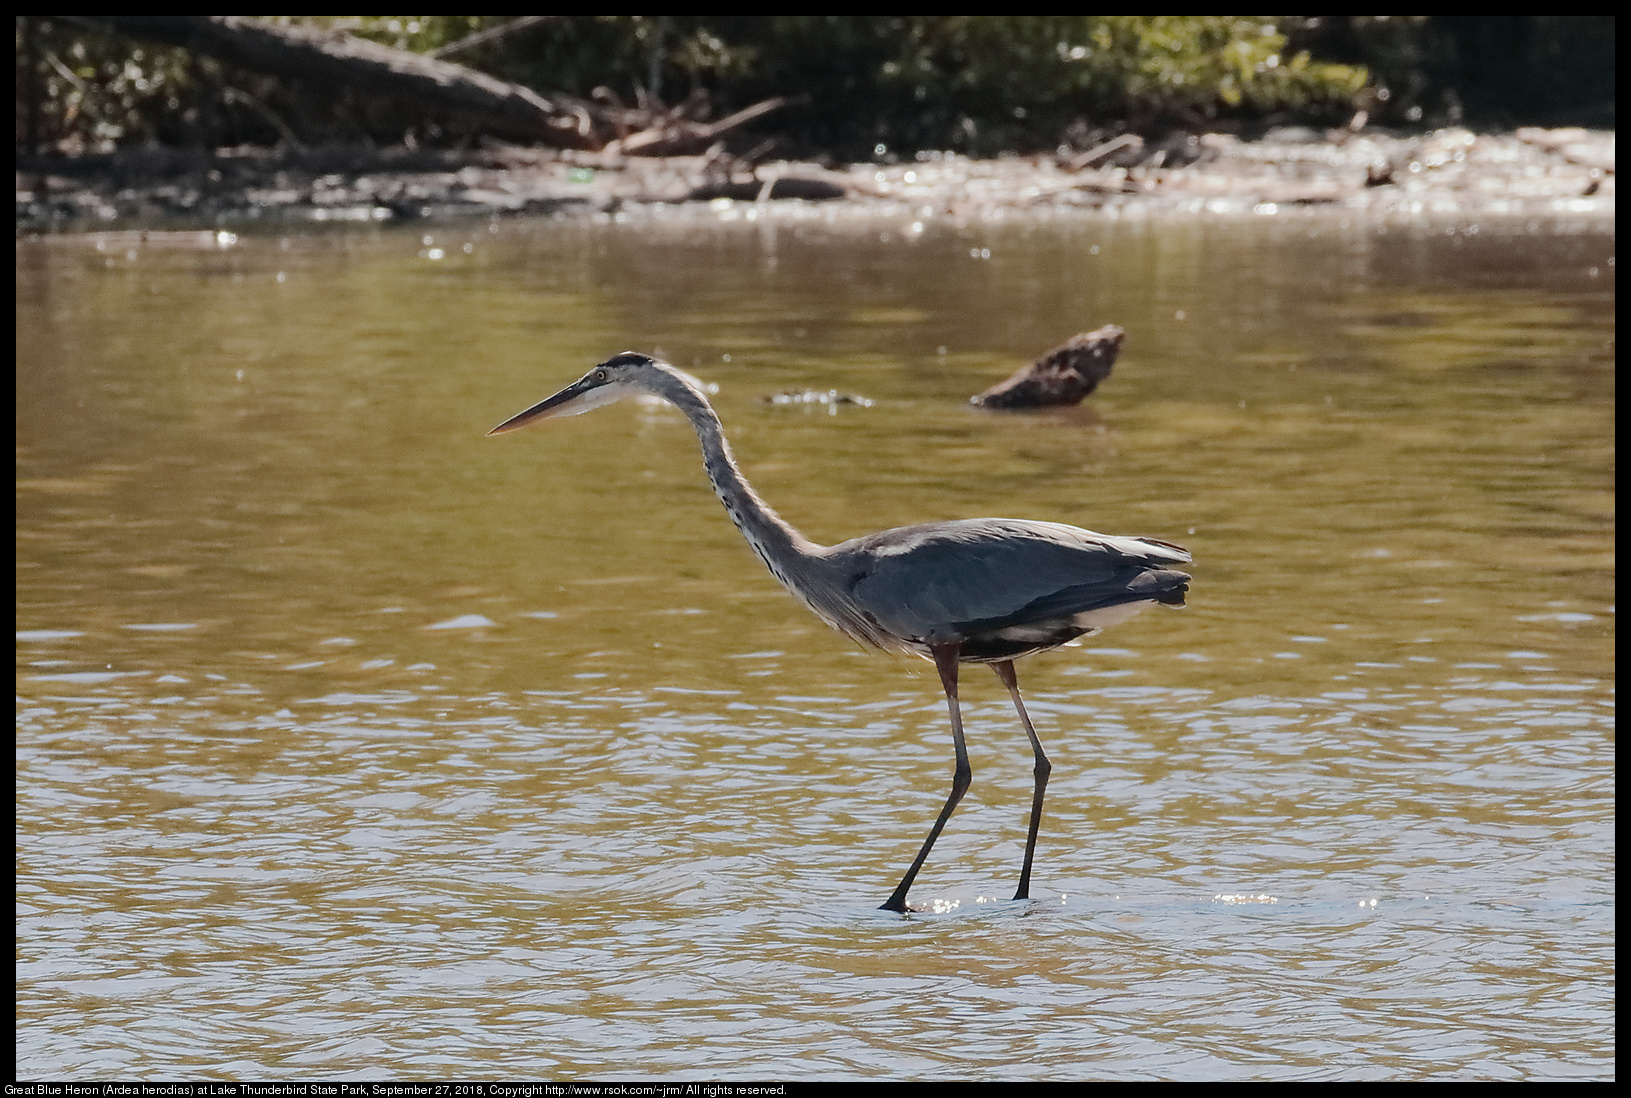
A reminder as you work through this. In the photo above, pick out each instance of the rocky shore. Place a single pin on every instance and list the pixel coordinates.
(1451, 171)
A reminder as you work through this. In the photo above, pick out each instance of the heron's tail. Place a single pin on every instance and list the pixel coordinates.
(1170, 587)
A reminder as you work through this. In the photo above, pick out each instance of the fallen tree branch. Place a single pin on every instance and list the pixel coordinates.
(676, 136)
(333, 56)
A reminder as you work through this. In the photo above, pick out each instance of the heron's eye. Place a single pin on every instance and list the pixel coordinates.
(600, 375)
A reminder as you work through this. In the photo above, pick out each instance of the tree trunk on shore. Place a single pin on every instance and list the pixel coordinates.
(311, 54)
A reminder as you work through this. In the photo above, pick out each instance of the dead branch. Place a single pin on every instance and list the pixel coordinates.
(309, 53)
(676, 135)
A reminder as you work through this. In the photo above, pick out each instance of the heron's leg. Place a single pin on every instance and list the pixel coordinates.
(1005, 672)
(945, 659)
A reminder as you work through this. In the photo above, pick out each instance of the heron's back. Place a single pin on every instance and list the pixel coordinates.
(1000, 588)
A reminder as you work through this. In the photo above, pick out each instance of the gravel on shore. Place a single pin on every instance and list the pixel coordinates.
(1445, 172)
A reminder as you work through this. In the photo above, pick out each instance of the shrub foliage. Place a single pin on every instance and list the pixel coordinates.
(977, 84)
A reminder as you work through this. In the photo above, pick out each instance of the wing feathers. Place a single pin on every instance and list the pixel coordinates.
(980, 575)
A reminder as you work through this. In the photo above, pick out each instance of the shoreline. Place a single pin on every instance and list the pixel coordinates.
(1450, 172)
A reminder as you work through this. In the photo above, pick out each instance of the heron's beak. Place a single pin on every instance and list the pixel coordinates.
(561, 404)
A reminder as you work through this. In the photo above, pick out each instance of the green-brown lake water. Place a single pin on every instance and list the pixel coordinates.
(352, 743)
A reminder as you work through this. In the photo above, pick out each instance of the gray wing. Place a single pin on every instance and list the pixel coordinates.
(976, 576)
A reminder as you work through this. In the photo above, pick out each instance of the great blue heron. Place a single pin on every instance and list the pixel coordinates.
(984, 590)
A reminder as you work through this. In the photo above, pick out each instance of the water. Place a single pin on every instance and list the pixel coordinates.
(353, 743)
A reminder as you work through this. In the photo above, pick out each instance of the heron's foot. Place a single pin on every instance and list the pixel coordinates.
(910, 909)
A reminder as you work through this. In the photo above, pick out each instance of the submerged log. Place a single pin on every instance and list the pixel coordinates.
(1064, 375)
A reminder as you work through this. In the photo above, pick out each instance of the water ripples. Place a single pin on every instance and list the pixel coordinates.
(1228, 887)
(350, 743)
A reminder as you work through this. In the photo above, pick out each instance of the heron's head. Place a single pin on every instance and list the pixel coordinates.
(619, 376)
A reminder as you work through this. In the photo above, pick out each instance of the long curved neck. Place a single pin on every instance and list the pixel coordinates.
(779, 545)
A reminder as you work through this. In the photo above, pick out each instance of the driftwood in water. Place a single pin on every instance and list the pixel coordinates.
(1064, 375)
